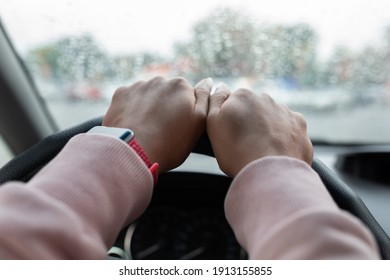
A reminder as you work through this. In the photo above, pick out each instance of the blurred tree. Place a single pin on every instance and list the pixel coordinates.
(74, 58)
(228, 43)
(386, 54)
(289, 53)
(339, 67)
(43, 62)
(129, 66)
(369, 67)
(386, 36)
(357, 71)
(222, 45)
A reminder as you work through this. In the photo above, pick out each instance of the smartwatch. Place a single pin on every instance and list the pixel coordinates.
(128, 136)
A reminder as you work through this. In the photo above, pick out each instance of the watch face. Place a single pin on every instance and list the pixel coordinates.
(127, 136)
(122, 133)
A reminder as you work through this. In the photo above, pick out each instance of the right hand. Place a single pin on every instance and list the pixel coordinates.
(244, 127)
(167, 116)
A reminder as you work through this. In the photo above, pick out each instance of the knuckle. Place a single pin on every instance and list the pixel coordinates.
(119, 92)
(285, 107)
(243, 95)
(157, 80)
(267, 100)
(301, 120)
(180, 81)
(267, 97)
(122, 91)
(243, 92)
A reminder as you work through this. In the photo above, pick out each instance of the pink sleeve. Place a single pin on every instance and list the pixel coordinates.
(75, 206)
(279, 209)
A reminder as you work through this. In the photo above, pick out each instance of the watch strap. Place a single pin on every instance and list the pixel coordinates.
(127, 135)
(153, 167)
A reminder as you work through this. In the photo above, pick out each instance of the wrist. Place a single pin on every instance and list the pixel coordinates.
(128, 136)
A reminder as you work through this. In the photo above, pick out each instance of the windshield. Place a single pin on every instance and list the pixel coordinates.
(329, 60)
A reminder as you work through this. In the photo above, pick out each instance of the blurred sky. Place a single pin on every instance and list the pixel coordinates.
(126, 25)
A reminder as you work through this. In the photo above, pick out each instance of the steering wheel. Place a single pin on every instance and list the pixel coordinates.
(26, 165)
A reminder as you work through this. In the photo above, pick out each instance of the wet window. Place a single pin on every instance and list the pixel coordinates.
(330, 61)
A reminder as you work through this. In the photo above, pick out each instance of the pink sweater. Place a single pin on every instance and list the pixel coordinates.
(75, 207)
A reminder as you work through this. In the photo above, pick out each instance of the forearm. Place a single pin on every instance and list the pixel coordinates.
(76, 205)
(279, 209)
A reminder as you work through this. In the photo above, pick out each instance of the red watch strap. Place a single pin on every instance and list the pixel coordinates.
(153, 167)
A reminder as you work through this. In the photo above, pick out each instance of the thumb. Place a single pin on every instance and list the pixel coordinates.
(222, 93)
(202, 94)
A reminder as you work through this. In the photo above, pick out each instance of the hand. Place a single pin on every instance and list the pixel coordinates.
(243, 127)
(167, 116)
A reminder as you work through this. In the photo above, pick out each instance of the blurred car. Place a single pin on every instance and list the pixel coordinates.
(84, 91)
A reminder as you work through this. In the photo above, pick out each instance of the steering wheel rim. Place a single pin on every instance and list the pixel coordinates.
(24, 166)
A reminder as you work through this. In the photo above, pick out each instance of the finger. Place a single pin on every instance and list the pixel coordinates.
(157, 80)
(202, 94)
(222, 93)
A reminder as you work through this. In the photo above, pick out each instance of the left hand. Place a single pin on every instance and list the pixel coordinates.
(167, 116)
(243, 127)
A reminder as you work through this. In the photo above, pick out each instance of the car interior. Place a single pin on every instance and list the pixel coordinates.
(185, 219)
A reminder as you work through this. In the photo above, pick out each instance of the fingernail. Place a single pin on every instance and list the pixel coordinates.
(215, 88)
(221, 86)
(209, 82)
